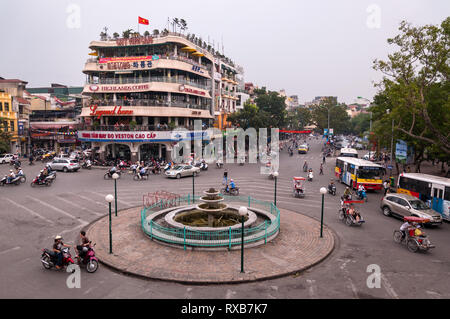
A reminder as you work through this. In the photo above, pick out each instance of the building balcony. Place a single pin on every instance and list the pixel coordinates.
(150, 103)
(164, 79)
(165, 61)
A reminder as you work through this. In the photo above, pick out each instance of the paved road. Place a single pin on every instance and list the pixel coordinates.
(31, 217)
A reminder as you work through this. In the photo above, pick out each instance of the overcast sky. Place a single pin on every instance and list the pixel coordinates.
(308, 48)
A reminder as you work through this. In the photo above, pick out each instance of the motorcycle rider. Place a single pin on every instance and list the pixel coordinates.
(85, 243)
(142, 172)
(347, 193)
(57, 247)
(404, 227)
(310, 174)
(330, 186)
(11, 176)
(112, 170)
(19, 172)
(231, 186)
(361, 189)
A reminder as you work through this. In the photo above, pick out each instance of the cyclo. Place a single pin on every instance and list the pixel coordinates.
(299, 190)
(348, 214)
(413, 237)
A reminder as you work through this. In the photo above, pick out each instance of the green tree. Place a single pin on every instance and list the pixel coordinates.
(416, 83)
(339, 119)
(360, 124)
(249, 116)
(298, 118)
(275, 106)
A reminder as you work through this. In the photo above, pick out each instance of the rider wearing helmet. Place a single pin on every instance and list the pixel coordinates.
(347, 193)
(232, 185)
(57, 248)
(11, 176)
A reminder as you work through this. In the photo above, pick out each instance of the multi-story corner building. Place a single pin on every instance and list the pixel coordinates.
(53, 119)
(15, 111)
(8, 119)
(226, 91)
(139, 89)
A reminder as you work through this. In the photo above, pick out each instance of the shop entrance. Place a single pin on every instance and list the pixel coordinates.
(152, 150)
(118, 151)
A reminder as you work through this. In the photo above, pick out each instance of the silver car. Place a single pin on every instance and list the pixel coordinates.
(402, 205)
(182, 170)
(65, 165)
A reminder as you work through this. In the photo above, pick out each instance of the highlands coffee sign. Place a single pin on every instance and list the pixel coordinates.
(117, 110)
(118, 88)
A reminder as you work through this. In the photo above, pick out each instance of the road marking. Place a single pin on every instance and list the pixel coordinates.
(388, 287)
(75, 228)
(91, 200)
(58, 210)
(9, 250)
(434, 294)
(79, 206)
(119, 200)
(30, 211)
(230, 294)
(312, 288)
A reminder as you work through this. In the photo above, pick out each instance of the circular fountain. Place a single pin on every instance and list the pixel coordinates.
(211, 223)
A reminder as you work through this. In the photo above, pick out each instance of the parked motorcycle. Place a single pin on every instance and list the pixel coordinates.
(49, 259)
(15, 181)
(89, 260)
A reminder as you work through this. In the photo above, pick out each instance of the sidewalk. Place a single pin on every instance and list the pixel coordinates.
(297, 247)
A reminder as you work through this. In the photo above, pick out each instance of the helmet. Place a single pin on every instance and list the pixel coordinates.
(231, 180)
(42, 170)
(58, 237)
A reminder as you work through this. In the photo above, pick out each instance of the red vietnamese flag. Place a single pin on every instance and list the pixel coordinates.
(143, 21)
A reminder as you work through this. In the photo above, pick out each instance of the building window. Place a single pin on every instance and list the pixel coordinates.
(6, 106)
(1, 106)
(12, 126)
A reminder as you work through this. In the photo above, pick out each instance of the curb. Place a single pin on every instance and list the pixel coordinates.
(225, 282)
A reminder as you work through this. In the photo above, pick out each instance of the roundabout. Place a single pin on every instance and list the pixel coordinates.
(278, 243)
